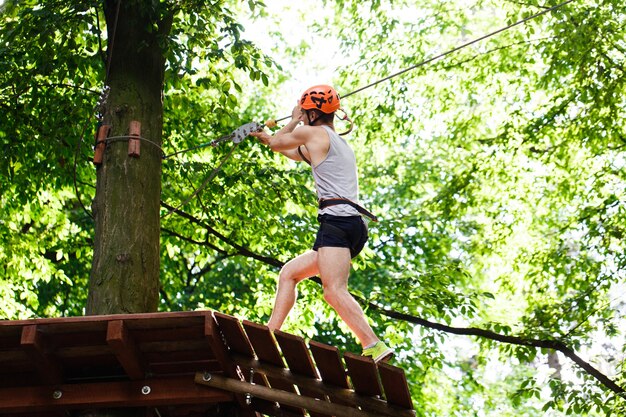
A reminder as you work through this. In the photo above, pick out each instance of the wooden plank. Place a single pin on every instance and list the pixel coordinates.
(70, 352)
(215, 338)
(166, 391)
(316, 407)
(329, 364)
(171, 345)
(163, 321)
(184, 334)
(12, 357)
(175, 356)
(35, 346)
(330, 367)
(265, 347)
(83, 338)
(299, 361)
(363, 374)
(235, 337)
(395, 385)
(337, 395)
(296, 354)
(263, 343)
(124, 348)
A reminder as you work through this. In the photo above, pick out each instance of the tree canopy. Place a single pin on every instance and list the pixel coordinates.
(497, 269)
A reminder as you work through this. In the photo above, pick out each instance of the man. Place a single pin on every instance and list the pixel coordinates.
(342, 233)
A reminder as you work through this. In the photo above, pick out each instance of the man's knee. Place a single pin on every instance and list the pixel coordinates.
(333, 293)
(286, 275)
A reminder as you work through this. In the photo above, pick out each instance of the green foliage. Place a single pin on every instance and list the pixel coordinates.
(498, 173)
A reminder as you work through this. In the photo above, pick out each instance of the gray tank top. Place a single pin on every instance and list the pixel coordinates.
(336, 176)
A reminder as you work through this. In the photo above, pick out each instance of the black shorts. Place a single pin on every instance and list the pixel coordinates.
(341, 232)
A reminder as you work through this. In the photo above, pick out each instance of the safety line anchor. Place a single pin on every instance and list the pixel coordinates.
(134, 131)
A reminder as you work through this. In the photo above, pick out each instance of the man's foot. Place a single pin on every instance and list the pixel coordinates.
(379, 352)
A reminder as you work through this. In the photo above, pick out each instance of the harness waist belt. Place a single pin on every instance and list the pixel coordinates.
(335, 201)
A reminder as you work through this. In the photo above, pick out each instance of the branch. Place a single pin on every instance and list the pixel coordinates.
(195, 242)
(241, 250)
(165, 297)
(515, 340)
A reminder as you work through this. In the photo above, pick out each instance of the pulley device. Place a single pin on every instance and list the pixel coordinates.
(236, 137)
(240, 133)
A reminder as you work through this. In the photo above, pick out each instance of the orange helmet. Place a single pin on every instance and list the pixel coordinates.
(321, 97)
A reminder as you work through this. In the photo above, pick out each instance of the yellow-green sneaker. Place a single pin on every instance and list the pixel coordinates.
(379, 352)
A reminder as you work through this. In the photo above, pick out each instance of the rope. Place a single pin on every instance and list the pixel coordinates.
(117, 15)
(202, 145)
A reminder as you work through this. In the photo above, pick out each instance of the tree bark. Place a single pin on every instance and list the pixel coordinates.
(125, 270)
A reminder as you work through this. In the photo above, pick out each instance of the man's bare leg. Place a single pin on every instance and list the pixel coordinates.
(334, 269)
(294, 271)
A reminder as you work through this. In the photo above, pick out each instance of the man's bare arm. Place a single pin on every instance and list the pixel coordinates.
(285, 141)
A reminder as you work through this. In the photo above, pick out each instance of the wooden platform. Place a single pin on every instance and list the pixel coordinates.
(184, 364)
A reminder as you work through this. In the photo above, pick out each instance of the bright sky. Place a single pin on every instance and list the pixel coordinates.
(324, 54)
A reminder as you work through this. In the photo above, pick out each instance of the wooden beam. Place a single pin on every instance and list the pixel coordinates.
(177, 317)
(283, 397)
(125, 349)
(160, 392)
(336, 394)
(33, 344)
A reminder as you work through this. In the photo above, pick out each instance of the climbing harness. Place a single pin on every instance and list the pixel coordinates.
(327, 202)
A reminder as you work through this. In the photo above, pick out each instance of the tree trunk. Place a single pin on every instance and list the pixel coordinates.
(125, 270)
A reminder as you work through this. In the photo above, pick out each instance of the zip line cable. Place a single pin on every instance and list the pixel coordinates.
(206, 182)
(444, 54)
(396, 74)
(429, 60)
